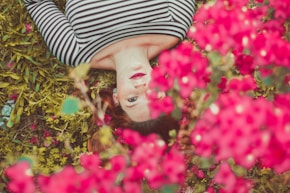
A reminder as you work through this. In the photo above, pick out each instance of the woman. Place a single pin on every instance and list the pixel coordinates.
(120, 35)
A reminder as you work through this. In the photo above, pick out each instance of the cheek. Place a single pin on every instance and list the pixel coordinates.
(122, 91)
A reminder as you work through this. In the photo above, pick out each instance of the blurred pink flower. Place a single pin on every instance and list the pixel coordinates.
(230, 182)
(160, 80)
(106, 120)
(34, 140)
(243, 84)
(244, 63)
(132, 187)
(9, 64)
(173, 165)
(28, 28)
(118, 163)
(163, 106)
(33, 126)
(21, 178)
(90, 161)
(64, 182)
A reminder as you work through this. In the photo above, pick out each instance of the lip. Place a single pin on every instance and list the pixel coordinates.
(137, 75)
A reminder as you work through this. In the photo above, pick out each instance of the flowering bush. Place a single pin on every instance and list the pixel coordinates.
(148, 160)
(228, 84)
(238, 125)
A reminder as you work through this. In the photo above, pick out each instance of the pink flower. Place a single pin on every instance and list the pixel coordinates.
(223, 84)
(269, 47)
(287, 80)
(118, 163)
(217, 28)
(163, 106)
(132, 187)
(174, 167)
(160, 81)
(225, 176)
(10, 64)
(21, 178)
(188, 68)
(243, 84)
(275, 154)
(106, 120)
(13, 96)
(150, 161)
(237, 120)
(54, 117)
(34, 140)
(282, 10)
(278, 121)
(28, 28)
(90, 162)
(210, 190)
(230, 182)
(250, 129)
(200, 174)
(64, 182)
(33, 126)
(186, 85)
(244, 63)
(46, 133)
(129, 137)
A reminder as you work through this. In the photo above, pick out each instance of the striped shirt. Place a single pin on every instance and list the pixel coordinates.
(88, 26)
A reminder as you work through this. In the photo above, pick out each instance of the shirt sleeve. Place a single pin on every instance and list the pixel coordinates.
(182, 11)
(55, 29)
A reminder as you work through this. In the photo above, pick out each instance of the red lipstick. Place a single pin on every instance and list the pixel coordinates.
(137, 75)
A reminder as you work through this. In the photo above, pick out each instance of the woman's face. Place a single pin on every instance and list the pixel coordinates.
(131, 93)
(133, 76)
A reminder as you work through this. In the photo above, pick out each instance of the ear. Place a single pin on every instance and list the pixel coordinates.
(115, 98)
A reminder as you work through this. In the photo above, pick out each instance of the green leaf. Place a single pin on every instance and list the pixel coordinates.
(37, 87)
(70, 105)
(205, 163)
(169, 189)
(5, 37)
(176, 113)
(23, 30)
(200, 187)
(17, 141)
(34, 76)
(214, 58)
(10, 124)
(27, 72)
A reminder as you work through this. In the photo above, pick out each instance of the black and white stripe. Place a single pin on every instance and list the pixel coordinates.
(90, 25)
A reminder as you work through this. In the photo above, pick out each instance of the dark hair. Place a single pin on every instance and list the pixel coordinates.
(119, 119)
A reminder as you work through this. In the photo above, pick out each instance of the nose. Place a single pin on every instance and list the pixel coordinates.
(139, 82)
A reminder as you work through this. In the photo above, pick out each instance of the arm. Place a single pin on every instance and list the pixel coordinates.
(55, 28)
